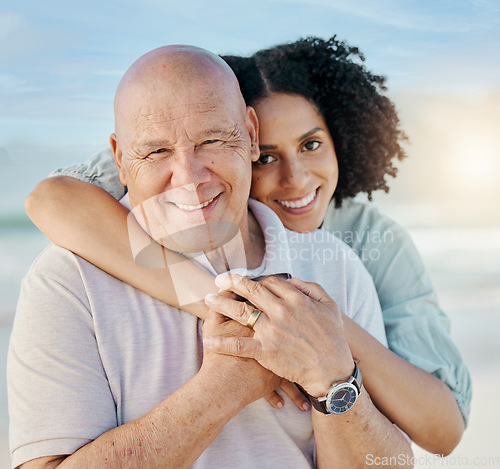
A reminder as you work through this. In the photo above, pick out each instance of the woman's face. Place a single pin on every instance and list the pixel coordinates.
(297, 172)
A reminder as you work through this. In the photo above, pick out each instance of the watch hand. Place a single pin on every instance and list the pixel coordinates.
(341, 399)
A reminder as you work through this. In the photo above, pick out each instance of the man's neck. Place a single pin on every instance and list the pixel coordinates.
(247, 253)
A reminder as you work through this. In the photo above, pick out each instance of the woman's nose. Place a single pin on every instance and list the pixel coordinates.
(294, 174)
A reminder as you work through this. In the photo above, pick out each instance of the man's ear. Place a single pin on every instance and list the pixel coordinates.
(117, 152)
(253, 131)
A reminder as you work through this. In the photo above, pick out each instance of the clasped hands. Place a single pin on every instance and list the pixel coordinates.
(298, 335)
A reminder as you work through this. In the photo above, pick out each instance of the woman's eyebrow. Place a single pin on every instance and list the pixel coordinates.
(311, 132)
(267, 147)
(302, 137)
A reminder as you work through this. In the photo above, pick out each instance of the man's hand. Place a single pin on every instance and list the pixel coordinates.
(248, 379)
(299, 335)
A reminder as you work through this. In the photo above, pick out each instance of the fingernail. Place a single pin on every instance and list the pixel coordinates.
(279, 405)
(222, 281)
(306, 406)
(207, 342)
(210, 298)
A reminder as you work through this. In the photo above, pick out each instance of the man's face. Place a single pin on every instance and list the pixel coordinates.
(186, 159)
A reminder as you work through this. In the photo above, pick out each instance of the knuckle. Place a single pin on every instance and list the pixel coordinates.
(237, 346)
(241, 309)
(272, 280)
(254, 287)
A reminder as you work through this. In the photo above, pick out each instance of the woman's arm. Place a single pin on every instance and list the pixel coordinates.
(86, 220)
(427, 392)
(416, 401)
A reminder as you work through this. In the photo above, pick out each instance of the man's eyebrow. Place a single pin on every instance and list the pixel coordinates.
(219, 132)
(302, 137)
(151, 145)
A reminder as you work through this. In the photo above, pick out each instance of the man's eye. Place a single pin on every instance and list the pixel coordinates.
(265, 159)
(312, 145)
(207, 142)
(160, 150)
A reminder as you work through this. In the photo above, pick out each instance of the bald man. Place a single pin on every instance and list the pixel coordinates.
(102, 375)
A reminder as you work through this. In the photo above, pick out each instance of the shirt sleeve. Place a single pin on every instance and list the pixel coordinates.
(100, 170)
(417, 329)
(59, 397)
(362, 300)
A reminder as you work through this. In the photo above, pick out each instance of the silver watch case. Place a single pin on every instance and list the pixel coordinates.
(340, 398)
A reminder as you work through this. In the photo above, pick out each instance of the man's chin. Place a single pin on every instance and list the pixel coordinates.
(205, 237)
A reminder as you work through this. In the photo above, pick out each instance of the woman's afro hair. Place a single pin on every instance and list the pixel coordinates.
(362, 122)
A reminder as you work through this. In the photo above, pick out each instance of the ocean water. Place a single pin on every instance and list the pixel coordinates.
(464, 265)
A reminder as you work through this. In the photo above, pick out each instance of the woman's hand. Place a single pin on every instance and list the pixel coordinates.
(292, 391)
(298, 336)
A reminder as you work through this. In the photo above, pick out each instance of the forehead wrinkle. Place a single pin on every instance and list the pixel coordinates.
(150, 117)
(168, 114)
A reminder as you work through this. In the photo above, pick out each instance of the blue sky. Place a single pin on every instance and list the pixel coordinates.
(60, 61)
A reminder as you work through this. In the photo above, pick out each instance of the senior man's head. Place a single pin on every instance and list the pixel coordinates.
(184, 142)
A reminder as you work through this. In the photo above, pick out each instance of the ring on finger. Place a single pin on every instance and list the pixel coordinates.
(252, 319)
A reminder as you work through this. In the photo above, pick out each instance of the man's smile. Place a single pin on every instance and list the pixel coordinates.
(192, 208)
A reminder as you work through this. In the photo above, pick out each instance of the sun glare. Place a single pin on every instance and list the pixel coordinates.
(475, 162)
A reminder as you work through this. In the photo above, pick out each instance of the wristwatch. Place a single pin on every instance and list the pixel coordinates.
(341, 396)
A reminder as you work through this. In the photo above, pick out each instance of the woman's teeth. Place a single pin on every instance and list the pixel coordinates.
(191, 208)
(298, 203)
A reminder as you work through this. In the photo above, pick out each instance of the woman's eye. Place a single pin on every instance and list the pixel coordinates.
(265, 159)
(312, 145)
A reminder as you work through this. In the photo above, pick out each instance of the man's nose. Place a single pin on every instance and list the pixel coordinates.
(294, 174)
(188, 169)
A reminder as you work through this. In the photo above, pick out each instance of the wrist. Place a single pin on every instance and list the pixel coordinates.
(341, 396)
(217, 382)
(328, 377)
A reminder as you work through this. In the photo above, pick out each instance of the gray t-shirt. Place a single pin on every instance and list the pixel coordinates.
(89, 353)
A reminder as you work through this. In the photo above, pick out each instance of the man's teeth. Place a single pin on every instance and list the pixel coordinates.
(298, 203)
(190, 208)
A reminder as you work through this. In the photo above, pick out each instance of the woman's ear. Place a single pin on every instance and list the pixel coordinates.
(253, 131)
(117, 152)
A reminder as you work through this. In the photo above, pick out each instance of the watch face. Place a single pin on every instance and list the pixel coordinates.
(341, 398)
